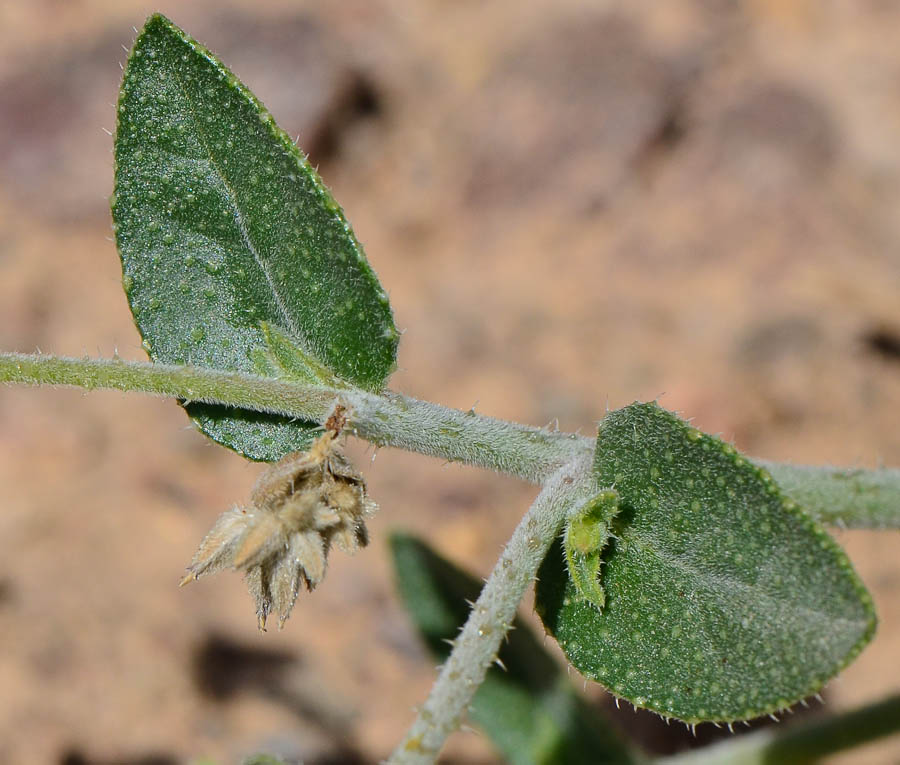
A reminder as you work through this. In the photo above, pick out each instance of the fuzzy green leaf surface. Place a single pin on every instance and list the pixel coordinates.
(530, 712)
(229, 238)
(724, 601)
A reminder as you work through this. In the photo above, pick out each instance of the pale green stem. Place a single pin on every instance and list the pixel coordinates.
(183, 382)
(849, 498)
(846, 497)
(526, 452)
(386, 419)
(803, 742)
(493, 613)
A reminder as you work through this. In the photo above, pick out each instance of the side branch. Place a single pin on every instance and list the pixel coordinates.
(493, 613)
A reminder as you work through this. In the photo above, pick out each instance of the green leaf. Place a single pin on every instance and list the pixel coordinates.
(724, 601)
(530, 712)
(224, 229)
(280, 358)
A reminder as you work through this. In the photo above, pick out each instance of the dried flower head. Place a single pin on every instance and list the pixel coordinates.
(298, 508)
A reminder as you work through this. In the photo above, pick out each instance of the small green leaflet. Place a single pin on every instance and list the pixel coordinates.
(234, 254)
(584, 540)
(724, 601)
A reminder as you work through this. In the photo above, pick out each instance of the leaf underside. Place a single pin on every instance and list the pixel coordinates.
(223, 227)
(530, 710)
(724, 601)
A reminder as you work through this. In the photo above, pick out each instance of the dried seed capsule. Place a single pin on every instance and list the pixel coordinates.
(298, 507)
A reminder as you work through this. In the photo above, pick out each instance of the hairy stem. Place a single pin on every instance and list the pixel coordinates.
(183, 382)
(386, 419)
(491, 616)
(803, 742)
(851, 498)
(533, 454)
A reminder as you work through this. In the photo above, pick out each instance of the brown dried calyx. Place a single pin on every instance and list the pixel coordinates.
(298, 508)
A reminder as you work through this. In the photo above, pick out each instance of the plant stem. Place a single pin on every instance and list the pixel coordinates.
(850, 498)
(493, 613)
(803, 742)
(183, 382)
(533, 454)
(386, 419)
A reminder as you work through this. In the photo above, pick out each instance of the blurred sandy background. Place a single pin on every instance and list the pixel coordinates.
(572, 205)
